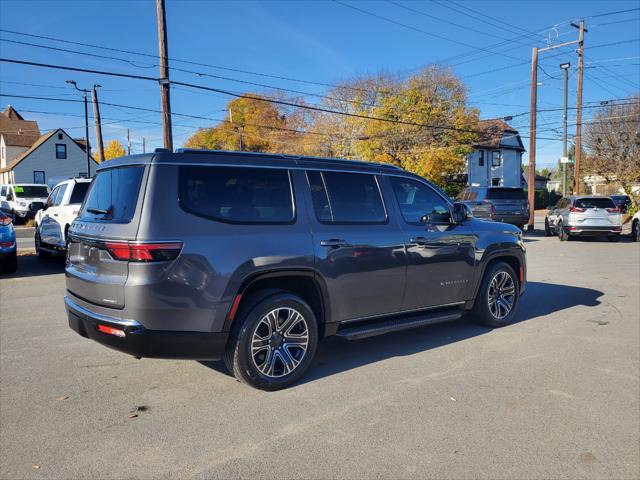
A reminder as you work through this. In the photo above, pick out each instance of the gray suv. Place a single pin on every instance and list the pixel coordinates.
(253, 258)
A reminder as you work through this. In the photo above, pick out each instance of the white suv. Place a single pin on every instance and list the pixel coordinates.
(16, 199)
(61, 209)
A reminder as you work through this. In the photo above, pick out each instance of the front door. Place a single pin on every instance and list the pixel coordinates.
(440, 256)
(358, 249)
(50, 229)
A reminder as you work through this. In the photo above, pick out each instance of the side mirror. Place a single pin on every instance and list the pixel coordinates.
(35, 206)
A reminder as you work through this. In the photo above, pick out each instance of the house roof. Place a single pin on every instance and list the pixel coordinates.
(33, 147)
(494, 131)
(17, 131)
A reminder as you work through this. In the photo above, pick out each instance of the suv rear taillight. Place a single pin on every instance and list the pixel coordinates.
(613, 210)
(577, 210)
(144, 252)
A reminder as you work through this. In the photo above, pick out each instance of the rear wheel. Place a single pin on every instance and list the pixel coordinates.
(275, 342)
(38, 244)
(11, 263)
(635, 231)
(497, 299)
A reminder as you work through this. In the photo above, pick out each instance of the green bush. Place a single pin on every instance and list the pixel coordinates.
(544, 198)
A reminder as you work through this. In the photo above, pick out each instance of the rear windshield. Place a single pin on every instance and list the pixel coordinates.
(79, 192)
(30, 191)
(506, 194)
(237, 194)
(113, 195)
(595, 203)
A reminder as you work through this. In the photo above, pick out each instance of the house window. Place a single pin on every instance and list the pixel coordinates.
(60, 137)
(38, 177)
(61, 150)
(495, 182)
(495, 159)
(481, 159)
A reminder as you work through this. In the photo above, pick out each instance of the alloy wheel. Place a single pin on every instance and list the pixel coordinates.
(279, 342)
(501, 294)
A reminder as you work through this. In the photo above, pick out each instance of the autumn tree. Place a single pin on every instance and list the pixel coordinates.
(612, 143)
(114, 149)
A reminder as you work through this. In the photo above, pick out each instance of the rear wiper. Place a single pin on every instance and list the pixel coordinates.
(98, 211)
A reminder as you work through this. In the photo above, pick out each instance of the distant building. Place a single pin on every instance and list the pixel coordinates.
(16, 135)
(53, 155)
(497, 157)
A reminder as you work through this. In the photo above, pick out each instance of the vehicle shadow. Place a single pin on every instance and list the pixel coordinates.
(336, 355)
(32, 266)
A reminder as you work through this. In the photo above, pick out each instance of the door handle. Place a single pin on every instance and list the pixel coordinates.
(55, 214)
(418, 240)
(333, 243)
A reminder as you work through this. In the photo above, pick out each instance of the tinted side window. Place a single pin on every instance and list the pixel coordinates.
(114, 191)
(62, 189)
(417, 199)
(237, 195)
(79, 192)
(595, 203)
(52, 197)
(346, 197)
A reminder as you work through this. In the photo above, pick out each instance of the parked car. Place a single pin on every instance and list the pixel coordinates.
(57, 214)
(635, 227)
(502, 204)
(8, 247)
(256, 257)
(623, 202)
(584, 216)
(17, 199)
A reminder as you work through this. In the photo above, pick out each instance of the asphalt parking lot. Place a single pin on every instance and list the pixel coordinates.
(555, 395)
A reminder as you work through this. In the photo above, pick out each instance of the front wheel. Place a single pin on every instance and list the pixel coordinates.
(274, 344)
(497, 299)
(38, 246)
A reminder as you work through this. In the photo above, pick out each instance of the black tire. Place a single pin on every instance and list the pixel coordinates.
(11, 264)
(250, 320)
(635, 231)
(482, 311)
(547, 228)
(614, 238)
(38, 243)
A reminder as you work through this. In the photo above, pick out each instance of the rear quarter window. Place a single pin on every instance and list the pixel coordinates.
(237, 194)
(114, 191)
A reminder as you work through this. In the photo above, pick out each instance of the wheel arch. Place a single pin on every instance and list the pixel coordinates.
(514, 259)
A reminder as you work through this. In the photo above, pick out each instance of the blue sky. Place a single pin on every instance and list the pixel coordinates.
(314, 41)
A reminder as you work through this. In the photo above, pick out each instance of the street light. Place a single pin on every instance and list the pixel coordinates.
(86, 122)
(565, 68)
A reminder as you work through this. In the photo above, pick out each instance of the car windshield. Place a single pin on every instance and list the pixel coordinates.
(602, 202)
(30, 191)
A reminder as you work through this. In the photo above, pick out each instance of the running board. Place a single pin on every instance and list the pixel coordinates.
(358, 332)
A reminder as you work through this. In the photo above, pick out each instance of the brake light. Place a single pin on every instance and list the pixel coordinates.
(6, 244)
(144, 252)
(613, 210)
(111, 331)
(4, 221)
(577, 210)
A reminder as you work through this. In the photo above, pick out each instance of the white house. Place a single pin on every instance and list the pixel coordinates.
(55, 154)
(496, 160)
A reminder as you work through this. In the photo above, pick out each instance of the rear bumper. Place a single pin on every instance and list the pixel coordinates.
(141, 342)
(512, 219)
(586, 230)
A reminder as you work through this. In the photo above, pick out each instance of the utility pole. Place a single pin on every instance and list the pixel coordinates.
(565, 68)
(144, 150)
(128, 143)
(576, 167)
(85, 93)
(96, 119)
(165, 98)
(531, 188)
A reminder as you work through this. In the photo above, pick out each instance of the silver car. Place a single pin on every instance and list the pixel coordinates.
(587, 215)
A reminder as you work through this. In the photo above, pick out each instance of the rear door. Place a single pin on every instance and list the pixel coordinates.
(50, 229)
(359, 249)
(508, 201)
(111, 212)
(594, 212)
